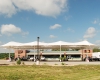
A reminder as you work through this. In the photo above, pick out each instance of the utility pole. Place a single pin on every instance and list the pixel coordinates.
(38, 57)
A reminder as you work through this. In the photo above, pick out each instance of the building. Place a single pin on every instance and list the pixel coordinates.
(55, 55)
(84, 49)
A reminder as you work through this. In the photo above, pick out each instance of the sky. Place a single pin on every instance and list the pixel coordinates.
(51, 20)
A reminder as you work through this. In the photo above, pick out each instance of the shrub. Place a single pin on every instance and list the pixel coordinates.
(18, 61)
(63, 63)
(45, 63)
(56, 64)
(34, 64)
(23, 63)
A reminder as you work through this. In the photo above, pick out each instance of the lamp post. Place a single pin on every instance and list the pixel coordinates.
(38, 57)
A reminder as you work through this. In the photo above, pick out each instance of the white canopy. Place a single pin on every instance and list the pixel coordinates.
(72, 45)
(33, 44)
(59, 43)
(11, 44)
(84, 43)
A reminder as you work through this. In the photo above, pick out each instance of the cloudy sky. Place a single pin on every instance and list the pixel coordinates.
(51, 20)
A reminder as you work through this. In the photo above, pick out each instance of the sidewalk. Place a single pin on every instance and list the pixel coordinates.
(5, 62)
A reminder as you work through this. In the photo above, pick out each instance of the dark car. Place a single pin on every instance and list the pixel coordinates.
(22, 59)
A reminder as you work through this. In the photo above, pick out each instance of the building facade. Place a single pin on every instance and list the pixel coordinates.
(49, 55)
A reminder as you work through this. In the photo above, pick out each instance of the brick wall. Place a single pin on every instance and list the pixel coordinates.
(86, 52)
(20, 53)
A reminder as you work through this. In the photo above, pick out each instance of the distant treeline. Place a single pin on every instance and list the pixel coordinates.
(6, 55)
(96, 50)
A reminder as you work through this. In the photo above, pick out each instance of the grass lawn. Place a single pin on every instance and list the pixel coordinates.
(44, 72)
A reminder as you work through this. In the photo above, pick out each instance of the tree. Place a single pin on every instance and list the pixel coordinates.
(96, 50)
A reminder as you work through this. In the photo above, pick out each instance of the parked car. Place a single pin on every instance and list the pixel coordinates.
(96, 56)
(42, 58)
(31, 59)
(22, 59)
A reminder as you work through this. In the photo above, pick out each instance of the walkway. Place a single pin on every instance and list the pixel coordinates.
(4, 62)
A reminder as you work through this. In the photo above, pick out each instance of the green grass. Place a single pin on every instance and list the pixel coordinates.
(45, 72)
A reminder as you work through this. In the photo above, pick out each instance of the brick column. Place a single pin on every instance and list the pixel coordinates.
(20, 53)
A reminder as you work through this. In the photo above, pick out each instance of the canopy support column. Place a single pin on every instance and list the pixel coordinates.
(60, 53)
(9, 55)
(34, 54)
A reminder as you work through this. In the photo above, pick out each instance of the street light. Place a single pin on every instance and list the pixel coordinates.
(38, 57)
